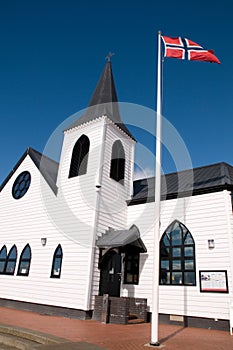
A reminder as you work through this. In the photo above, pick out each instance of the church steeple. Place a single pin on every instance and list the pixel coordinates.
(104, 101)
(105, 91)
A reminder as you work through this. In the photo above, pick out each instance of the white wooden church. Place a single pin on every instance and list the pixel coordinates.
(82, 228)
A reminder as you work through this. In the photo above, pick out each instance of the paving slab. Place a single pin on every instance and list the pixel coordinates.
(91, 334)
(72, 346)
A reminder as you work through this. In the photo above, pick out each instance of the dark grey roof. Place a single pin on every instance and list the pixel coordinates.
(120, 238)
(46, 166)
(103, 102)
(211, 178)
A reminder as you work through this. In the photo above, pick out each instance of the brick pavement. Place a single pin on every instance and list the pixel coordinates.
(118, 337)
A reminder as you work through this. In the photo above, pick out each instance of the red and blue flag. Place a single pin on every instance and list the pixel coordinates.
(186, 49)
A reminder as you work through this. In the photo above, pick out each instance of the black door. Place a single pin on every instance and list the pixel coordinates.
(110, 274)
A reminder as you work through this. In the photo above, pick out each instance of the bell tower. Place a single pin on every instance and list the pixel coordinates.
(96, 173)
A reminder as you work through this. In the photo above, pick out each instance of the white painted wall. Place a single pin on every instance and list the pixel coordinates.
(25, 221)
(112, 195)
(69, 218)
(207, 216)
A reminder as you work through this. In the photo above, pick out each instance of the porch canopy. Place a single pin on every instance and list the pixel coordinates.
(121, 238)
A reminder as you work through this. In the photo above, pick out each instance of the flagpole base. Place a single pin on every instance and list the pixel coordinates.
(157, 343)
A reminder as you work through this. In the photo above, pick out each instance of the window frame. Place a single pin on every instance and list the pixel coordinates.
(117, 166)
(21, 185)
(131, 266)
(9, 259)
(79, 158)
(177, 258)
(3, 259)
(57, 256)
(24, 260)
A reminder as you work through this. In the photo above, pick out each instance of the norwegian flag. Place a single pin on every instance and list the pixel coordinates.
(186, 49)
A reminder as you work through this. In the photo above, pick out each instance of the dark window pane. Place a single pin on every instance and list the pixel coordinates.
(177, 258)
(166, 240)
(188, 239)
(2, 265)
(176, 237)
(165, 277)
(176, 277)
(164, 252)
(131, 273)
(189, 278)
(58, 252)
(117, 169)
(10, 268)
(165, 264)
(176, 252)
(21, 185)
(24, 262)
(12, 254)
(176, 265)
(3, 253)
(27, 253)
(188, 264)
(188, 251)
(129, 278)
(57, 266)
(79, 160)
(57, 262)
(24, 268)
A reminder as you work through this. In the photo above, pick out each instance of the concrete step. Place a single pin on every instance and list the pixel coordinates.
(35, 336)
(25, 339)
(17, 342)
(6, 347)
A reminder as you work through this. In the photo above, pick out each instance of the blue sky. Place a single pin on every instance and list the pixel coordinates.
(53, 52)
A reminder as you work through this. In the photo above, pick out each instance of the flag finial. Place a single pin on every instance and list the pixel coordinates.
(109, 56)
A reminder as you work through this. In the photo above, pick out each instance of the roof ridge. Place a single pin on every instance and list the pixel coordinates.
(186, 170)
(31, 152)
(224, 168)
(30, 149)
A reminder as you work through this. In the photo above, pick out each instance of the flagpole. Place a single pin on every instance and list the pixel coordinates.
(155, 273)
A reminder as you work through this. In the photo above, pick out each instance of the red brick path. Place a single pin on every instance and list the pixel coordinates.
(118, 337)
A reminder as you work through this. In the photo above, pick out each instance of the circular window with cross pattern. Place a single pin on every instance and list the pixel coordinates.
(21, 185)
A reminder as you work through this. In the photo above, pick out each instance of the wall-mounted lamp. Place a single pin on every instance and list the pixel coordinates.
(43, 241)
(211, 244)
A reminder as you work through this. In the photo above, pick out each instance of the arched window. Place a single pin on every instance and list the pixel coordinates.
(78, 165)
(24, 261)
(11, 261)
(57, 262)
(177, 256)
(117, 170)
(3, 255)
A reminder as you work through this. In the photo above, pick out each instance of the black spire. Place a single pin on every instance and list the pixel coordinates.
(104, 102)
(105, 91)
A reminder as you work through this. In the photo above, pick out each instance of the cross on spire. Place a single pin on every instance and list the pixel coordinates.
(109, 56)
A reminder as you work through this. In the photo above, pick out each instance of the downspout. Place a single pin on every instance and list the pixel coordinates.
(130, 194)
(98, 186)
(228, 212)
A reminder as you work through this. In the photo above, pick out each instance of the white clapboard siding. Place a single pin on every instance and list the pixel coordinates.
(207, 217)
(112, 206)
(26, 221)
(69, 218)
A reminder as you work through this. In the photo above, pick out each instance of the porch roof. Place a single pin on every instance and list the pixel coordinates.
(120, 238)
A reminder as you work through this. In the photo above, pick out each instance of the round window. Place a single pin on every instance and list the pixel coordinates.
(21, 185)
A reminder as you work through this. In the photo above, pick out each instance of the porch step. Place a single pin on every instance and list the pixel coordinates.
(134, 319)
